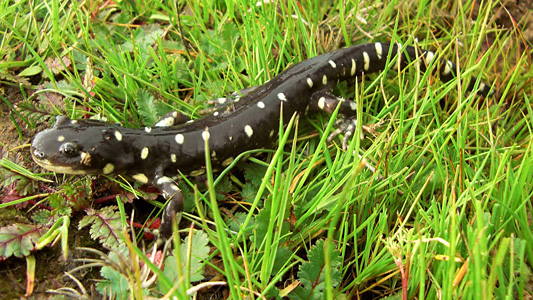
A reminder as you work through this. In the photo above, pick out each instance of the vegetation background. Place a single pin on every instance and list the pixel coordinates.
(446, 214)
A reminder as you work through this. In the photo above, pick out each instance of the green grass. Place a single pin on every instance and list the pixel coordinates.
(449, 202)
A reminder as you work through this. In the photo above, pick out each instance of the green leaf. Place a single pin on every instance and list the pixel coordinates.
(200, 252)
(42, 216)
(236, 222)
(312, 276)
(30, 71)
(262, 219)
(19, 240)
(283, 256)
(57, 201)
(147, 109)
(160, 17)
(116, 286)
(223, 186)
(79, 193)
(143, 37)
(105, 225)
(253, 174)
(229, 38)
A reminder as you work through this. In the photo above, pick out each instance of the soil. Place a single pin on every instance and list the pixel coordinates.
(50, 267)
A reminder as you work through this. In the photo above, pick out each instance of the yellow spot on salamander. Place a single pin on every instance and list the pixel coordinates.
(429, 57)
(166, 122)
(118, 135)
(108, 169)
(321, 102)
(448, 67)
(379, 50)
(140, 178)
(366, 60)
(180, 138)
(144, 153)
(248, 130)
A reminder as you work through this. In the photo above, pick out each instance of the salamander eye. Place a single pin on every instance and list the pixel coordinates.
(38, 154)
(68, 149)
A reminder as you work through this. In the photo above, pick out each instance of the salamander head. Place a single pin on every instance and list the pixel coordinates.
(80, 147)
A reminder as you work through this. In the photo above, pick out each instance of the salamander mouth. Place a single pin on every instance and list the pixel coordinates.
(65, 169)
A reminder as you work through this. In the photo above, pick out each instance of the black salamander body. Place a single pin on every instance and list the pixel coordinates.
(154, 155)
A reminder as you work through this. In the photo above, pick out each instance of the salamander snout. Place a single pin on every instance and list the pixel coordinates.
(37, 153)
(56, 152)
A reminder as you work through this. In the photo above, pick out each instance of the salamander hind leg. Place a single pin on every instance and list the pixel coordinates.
(325, 101)
(346, 122)
(174, 206)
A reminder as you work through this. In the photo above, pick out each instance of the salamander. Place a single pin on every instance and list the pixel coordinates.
(154, 155)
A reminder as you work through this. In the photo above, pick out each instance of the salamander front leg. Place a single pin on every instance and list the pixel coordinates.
(324, 101)
(173, 209)
(346, 122)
